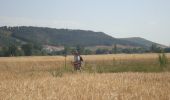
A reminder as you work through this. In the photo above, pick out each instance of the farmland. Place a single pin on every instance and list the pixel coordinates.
(104, 77)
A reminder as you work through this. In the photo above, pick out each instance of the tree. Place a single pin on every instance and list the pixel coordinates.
(87, 52)
(127, 50)
(114, 50)
(167, 50)
(37, 46)
(1, 52)
(155, 49)
(4, 51)
(80, 49)
(28, 49)
(12, 50)
(66, 50)
(102, 51)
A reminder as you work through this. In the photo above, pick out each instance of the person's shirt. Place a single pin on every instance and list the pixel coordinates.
(76, 58)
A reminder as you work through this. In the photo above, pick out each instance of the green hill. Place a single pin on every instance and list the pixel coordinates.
(141, 41)
(60, 37)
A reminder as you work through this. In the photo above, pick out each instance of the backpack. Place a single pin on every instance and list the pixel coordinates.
(81, 59)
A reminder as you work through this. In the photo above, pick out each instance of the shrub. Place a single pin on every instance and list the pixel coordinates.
(163, 60)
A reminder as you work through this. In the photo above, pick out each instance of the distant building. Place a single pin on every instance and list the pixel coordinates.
(49, 48)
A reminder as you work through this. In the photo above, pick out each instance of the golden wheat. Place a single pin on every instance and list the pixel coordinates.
(83, 86)
(53, 62)
(28, 78)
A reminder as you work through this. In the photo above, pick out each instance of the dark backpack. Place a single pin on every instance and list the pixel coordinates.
(81, 59)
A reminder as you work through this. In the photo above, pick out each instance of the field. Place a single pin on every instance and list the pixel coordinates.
(104, 77)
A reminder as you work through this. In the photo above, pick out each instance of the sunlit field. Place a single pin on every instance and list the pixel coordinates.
(106, 63)
(103, 77)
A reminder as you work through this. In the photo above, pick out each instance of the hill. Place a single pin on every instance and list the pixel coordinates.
(60, 37)
(141, 41)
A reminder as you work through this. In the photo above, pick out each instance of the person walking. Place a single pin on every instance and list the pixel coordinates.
(77, 61)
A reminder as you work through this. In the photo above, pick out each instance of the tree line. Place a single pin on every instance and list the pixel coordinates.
(23, 50)
(115, 50)
(34, 49)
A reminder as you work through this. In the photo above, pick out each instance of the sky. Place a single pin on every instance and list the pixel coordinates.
(149, 19)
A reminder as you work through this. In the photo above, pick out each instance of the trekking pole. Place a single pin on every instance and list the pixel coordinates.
(65, 64)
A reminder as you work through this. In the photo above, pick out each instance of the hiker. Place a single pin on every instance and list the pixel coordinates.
(77, 61)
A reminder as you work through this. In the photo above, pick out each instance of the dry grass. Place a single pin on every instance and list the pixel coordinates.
(30, 78)
(53, 62)
(83, 86)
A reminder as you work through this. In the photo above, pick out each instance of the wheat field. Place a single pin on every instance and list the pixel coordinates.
(32, 78)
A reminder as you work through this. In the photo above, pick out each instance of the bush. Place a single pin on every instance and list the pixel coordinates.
(163, 60)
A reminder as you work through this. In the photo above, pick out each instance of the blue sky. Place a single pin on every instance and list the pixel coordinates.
(149, 19)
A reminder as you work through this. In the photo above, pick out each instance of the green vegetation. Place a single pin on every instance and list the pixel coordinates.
(141, 41)
(61, 37)
(28, 41)
(36, 49)
(163, 60)
(11, 50)
(23, 50)
(114, 66)
(57, 37)
(122, 66)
